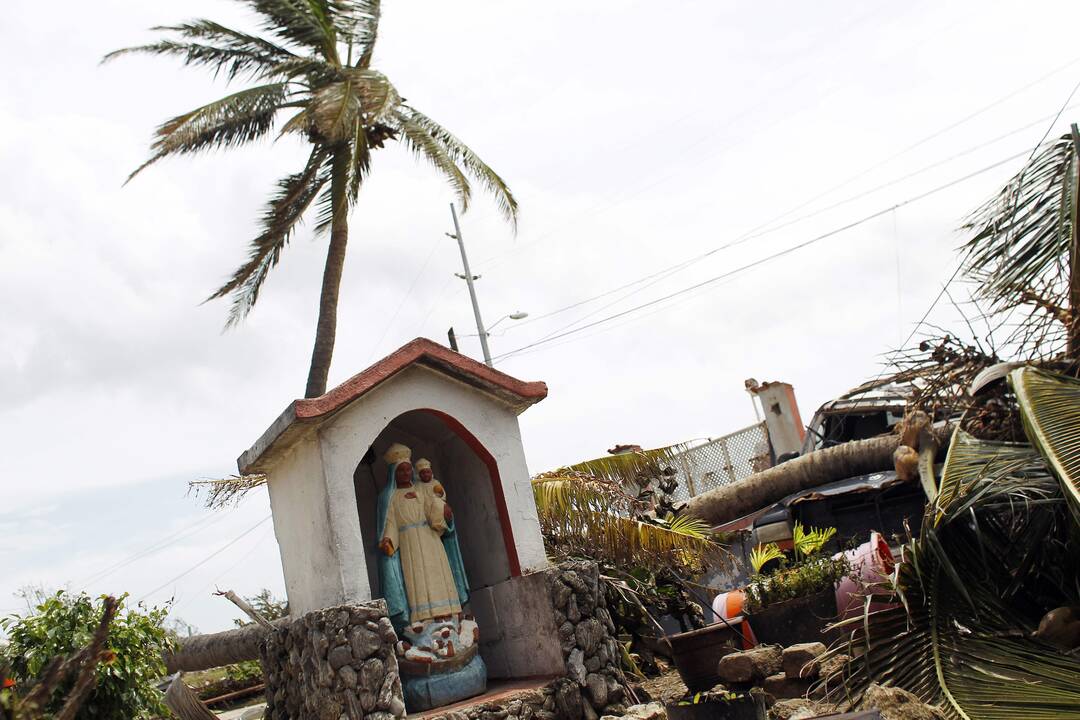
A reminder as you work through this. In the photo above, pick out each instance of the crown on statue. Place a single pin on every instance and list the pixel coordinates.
(423, 464)
(397, 453)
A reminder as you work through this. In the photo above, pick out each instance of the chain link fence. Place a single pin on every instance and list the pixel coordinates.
(722, 461)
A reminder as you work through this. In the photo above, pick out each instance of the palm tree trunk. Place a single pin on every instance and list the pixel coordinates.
(764, 488)
(326, 329)
(202, 652)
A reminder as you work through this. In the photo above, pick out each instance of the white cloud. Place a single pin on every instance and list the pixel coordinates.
(634, 136)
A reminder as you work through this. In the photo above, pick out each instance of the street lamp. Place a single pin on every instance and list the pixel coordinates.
(519, 315)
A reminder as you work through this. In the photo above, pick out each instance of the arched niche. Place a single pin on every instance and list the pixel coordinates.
(474, 490)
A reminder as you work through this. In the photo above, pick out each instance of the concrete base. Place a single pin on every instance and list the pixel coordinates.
(518, 633)
(431, 691)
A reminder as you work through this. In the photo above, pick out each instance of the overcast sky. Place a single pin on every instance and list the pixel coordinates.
(635, 135)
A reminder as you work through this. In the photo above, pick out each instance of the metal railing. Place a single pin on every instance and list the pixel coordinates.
(722, 461)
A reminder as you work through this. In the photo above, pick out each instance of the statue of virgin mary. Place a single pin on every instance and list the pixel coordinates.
(417, 581)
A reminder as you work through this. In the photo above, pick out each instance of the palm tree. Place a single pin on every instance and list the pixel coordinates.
(1025, 249)
(315, 63)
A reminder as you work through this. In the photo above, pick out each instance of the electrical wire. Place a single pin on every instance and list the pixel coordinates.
(761, 231)
(408, 293)
(768, 258)
(257, 544)
(206, 559)
(493, 261)
(183, 533)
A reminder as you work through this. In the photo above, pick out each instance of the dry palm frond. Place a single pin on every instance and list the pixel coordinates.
(1050, 406)
(225, 492)
(995, 550)
(591, 517)
(1022, 236)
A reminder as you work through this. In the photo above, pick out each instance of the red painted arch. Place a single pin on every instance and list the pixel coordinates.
(496, 484)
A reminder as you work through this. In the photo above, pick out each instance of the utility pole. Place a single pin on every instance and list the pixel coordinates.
(472, 288)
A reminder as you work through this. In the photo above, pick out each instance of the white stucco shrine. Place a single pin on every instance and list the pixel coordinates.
(323, 458)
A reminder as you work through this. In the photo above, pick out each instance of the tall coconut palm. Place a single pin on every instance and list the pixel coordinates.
(313, 61)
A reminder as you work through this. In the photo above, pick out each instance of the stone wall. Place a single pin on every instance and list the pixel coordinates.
(594, 683)
(339, 663)
(333, 664)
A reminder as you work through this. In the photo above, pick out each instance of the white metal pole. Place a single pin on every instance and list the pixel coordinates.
(472, 288)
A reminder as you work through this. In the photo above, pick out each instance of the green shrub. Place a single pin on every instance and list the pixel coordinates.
(63, 624)
(806, 578)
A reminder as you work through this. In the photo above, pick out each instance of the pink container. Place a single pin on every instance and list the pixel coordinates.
(871, 563)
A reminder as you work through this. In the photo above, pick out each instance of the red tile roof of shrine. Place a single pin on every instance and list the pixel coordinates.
(421, 351)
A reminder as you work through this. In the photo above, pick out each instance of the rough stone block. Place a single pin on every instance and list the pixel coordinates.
(781, 686)
(750, 665)
(597, 687)
(801, 660)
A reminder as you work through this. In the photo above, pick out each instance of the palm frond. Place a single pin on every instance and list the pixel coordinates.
(366, 31)
(1020, 247)
(231, 121)
(295, 194)
(228, 51)
(763, 554)
(424, 147)
(995, 549)
(462, 155)
(809, 541)
(633, 469)
(225, 492)
(308, 23)
(357, 24)
(1050, 408)
(586, 516)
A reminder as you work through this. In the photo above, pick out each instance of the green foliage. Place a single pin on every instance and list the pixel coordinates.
(806, 578)
(64, 623)
(807, 575)
(763, 554)
(244, 672)
(809, 542)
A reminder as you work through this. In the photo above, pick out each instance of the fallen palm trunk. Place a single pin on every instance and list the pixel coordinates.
(202, 652)
(184, 703)
(859, 457)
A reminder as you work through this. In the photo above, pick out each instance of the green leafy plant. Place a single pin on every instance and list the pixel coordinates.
(806, 578)
(64, 623)
(810, 542)
(763, 554)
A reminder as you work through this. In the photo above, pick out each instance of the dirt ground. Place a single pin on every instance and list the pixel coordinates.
(666, 687)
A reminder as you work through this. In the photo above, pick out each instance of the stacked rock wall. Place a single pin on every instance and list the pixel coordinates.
(339, 663)
(594, 683)
(333, 664)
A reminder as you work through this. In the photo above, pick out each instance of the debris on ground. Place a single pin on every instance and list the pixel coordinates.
(898, 704)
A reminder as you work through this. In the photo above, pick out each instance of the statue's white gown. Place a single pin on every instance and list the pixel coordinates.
(414, 525)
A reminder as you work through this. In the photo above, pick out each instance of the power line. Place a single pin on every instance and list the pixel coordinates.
(182, 534)
(206, 559)
(771, 257)
(616, 201)
(257, 544)
(408, 293)
(758, 231)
